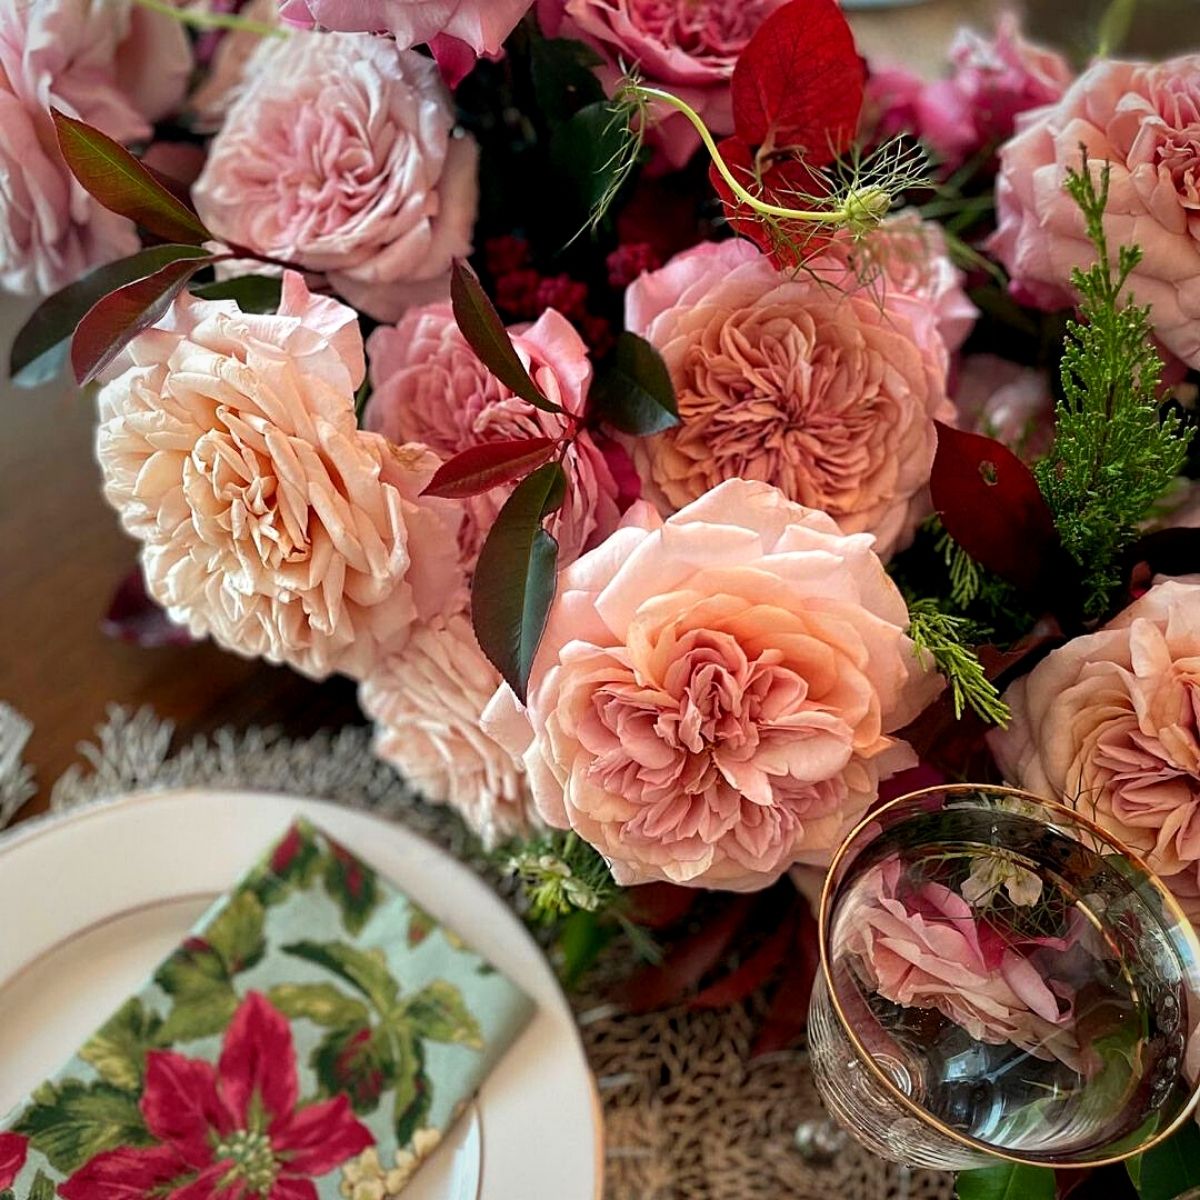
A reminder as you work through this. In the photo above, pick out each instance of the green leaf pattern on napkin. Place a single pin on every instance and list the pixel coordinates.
(389, 1016)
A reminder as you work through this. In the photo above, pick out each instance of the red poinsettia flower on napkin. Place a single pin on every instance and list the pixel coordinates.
(230, 1131)
(13, 1148)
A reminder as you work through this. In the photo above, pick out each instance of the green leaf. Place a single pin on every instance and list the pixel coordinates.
(1009, 1181)
(253, 293)
(589, 155)
(320, 1003)
(352, 886)
(439, 1014)
(123, 185)
(236, 933)
(413, 1095)
(634, 392)
(1173, 1167)
(582, 938)
(40, 347)
(116, 319)
(357, 1062)
(366, 970)
(196, 979)
(516, 577)
(485, 333)
(118, 1051)
(71, 1122)
(42, 1188)
(564, 79)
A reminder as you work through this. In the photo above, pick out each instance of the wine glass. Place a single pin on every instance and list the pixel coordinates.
(1000, 980)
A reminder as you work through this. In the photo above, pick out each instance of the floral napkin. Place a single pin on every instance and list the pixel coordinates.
(314, 1037)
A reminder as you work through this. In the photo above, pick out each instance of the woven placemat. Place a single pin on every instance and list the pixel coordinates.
(689, 1115)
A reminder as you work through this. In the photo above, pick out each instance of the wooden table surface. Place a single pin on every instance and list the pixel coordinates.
(62, 553)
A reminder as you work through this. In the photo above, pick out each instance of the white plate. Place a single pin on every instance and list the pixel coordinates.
(91, 901)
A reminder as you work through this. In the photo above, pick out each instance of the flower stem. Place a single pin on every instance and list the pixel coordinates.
(837, 216)
(210, 20)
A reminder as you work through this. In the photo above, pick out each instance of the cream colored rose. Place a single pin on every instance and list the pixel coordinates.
(269, 521)
(1110, 722)
(427, 702)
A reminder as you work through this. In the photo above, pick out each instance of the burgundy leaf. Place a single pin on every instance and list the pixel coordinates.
(485, 333)
(992, 507)
(787, 1017)
(135, 618)
(799, 82)
(660, 905)
(481, 468)
(113, 322)
(122, 184)
(780, 179)
(687, 962)
(516, 577)
(751, 974)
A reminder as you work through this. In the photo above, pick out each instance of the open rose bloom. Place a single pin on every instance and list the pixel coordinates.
(716, 696)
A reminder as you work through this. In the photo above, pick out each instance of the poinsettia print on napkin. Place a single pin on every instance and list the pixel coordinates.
(314, 1037)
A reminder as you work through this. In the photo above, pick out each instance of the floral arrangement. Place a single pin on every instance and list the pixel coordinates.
(687, 433)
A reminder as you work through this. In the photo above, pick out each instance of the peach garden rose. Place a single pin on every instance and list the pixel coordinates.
(340, 155)
(1143, 119)
(823, 387)
(716, 697)
(1110, 722)
(268, 520)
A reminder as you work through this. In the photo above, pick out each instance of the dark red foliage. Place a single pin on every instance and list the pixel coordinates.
(799, 82)
(992, 507)
(133, 617)
(480, 468)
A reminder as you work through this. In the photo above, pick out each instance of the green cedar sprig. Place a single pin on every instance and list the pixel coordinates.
(947, 639)
(1114, 454)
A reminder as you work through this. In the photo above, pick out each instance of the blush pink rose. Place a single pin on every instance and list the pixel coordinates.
(688, 49)
(268, 520)
(716, 698)
(87, 59)
(227, 70)
(482, 25)
(923, 947)
(427, 702)
(1111, 722)
(429, 386)
(1143, 119)
(1006, 401)
(993, 80)
(340, 155)
(820, 384)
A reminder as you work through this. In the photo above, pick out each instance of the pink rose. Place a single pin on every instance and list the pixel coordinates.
(268, 520)
(922, 947)
(716, 697)
(1006, 401)
(690, 50)
(427, 702)
(78, 56)
(1109, 722)
(430, 386)
(1144, 119)
(481, 24)
(993, 81)
(823, 386)
(339, 155)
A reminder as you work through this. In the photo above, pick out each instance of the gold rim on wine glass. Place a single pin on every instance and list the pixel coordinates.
(1171, 904)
